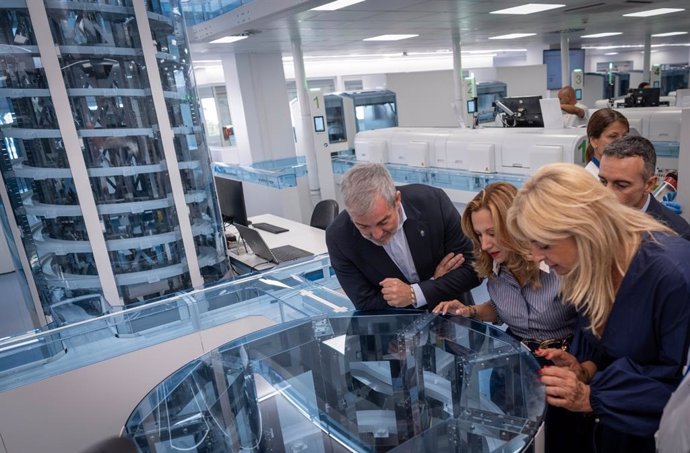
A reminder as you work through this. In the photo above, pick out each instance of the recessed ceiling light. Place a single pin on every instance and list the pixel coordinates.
(529, 8)
(338, 4)
(671, 33)
(228, 39)
(654, 12)
(513, 36)
(611, 53)
(602, 35)
(389, 37)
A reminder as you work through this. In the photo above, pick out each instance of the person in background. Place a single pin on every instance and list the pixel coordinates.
(397, 247)
(643, 85)
(628, 168)
(627, 275)
(523, 296)
(603, 127)
(574, 113)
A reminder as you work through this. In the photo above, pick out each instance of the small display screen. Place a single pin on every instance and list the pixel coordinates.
(472, 106)
(319, 124)
(578, 94)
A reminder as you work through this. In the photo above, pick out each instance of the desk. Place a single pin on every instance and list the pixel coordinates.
(299, 235)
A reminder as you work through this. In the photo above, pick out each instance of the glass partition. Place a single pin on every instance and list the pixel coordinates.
(88, 330)
(436, 176)
(100, 51)
(335, 117)
(374, 109)
(400, 382)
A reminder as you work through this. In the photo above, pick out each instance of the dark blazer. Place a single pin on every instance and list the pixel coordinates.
(432, 229)
(668, 218)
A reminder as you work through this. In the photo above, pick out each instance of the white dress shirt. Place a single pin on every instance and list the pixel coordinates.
(399, 251)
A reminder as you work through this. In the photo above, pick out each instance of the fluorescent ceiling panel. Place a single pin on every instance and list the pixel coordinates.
(602, 35)
(611, 53)
(529, 8)
(338, 4)
(513, 36)
(389, 37)
(654, 12)
(228, 39)
(671, 33)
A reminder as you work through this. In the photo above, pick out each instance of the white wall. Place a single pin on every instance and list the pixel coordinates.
(384, 65)
(259, 108)
(424, 98)
(662, 56)
(523, 80)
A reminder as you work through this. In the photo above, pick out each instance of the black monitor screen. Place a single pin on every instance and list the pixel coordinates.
(231, 200)
(526, 111)
(643, 97)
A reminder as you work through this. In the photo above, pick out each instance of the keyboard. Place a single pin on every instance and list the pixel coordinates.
(289, 253)
(269, 227)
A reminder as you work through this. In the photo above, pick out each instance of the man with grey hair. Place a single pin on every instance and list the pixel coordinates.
(398, 247)
(628, 168)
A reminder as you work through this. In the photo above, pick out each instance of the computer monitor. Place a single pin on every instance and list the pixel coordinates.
(231, 200)
(319, 124)
(643, 97)
(526, 111)
(472, 105)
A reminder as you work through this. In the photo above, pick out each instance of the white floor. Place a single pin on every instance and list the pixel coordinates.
(14, 316)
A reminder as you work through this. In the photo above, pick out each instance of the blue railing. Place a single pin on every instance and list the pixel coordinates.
(278, 174)
(197, 11)
(438, 177)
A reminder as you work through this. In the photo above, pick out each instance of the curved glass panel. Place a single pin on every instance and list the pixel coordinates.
(400, 382)
(184, 111)
(100, 53)
(35, 168)
(285, 293)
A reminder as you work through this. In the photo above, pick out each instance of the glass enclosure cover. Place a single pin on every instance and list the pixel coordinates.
(392, 382)
(374, 109)
(100, 52)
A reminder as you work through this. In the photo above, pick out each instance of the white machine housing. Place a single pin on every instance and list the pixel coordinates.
(491, 150)
(660, 125)
(657, 124)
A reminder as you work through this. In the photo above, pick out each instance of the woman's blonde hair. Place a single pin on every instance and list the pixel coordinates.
(561, 201)
(497, 198)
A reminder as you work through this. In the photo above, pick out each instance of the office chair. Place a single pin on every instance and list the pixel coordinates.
(324, 213)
